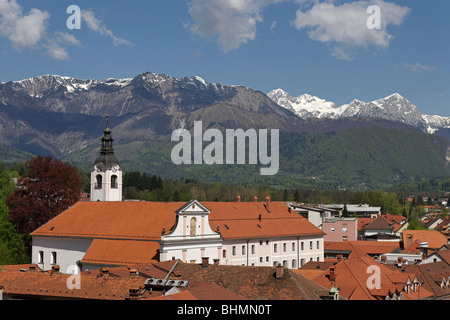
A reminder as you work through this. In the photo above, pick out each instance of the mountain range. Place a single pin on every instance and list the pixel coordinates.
(65, 117)
(393, 108)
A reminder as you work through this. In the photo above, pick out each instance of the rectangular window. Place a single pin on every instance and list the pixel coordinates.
(243, 249)
(234, 250)
(302, 245)
(275, 247)
(224, 253)
(41, 257)
(310, 245)
(293, 246)
(285, 263)
(253, 249)
(344, 229)
(332, 229)
(284, 247)
(53, 257)
(318, 244)
(294, 263)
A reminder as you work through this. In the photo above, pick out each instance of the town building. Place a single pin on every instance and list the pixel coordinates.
(340, 229)
(108, 232)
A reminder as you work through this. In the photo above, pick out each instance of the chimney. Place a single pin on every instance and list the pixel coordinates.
(135, 293)
(332, 274)
(55, 268)
(255, 199)
(205, 262)
(424, 248)
(216, 262)
(383, 259)
(279, 271)
(104, 272)
(238, 198)
(32, 267)
(409, 240)
(134, 273)
(268, 203)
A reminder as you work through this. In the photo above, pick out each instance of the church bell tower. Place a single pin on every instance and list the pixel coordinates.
(106, 173)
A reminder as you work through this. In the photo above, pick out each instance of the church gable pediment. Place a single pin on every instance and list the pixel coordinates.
(193, 207)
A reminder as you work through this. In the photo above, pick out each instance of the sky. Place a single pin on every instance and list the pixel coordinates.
(335, 50)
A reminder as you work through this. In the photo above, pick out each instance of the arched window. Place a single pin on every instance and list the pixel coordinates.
(114, 182)
(98, 184)
(193, 227)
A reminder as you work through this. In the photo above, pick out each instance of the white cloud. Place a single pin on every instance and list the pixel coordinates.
(344, 26)
(24, 31)
(233, 21)
(54, 47)
(97, 25)
(417, 67)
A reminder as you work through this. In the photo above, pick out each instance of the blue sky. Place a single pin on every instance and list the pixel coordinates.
(320, 47)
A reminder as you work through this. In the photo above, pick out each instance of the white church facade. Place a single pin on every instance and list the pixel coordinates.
(107, 231)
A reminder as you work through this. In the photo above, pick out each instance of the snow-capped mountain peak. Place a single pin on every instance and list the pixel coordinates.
(394, 107)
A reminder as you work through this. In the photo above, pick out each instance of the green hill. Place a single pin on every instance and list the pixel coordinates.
(371, 157)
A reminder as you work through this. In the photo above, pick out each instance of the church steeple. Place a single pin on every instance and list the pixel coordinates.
(106, 174)
(106, 156)
(107, 141)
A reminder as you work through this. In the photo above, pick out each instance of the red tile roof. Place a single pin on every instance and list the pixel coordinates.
(361, 248)
(351, 278)
(121, 252)
(434, 238)
(201, 290)
(240, 220)
(54, 285)
(131, 220)
(114, 220)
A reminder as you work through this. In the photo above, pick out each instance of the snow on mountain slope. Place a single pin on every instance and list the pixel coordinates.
(393, 107)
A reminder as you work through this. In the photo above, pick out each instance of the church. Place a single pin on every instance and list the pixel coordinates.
(108, 231)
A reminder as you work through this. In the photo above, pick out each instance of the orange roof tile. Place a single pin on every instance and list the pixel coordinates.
(240, 220)
(361, 248)
(54, 285)
(351, 277)
(121, 252)
(113, 220)
(434, 238)
(363, 222)
(131, 220)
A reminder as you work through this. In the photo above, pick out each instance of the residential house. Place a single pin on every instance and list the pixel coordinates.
(315, 214)
(362, 278)
(434, 278)
(363, 210)
(434, 239)
(380, 230)
(353, 249)
(340, 229)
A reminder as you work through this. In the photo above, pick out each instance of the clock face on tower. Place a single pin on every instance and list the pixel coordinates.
(115, 168)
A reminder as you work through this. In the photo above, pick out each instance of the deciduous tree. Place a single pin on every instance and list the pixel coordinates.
(49, 187)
